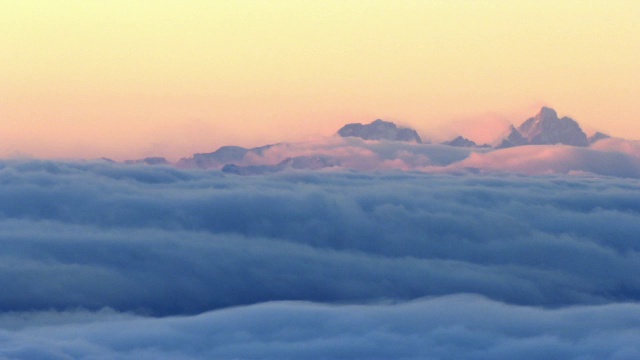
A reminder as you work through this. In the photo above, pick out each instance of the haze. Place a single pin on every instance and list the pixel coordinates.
(85, 79)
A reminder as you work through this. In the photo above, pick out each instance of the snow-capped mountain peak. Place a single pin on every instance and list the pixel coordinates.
(547, 129)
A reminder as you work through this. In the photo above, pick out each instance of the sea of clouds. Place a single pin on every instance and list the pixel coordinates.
(106, 261)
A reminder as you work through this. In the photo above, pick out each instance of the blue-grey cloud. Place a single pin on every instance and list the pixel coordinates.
(150, 242)
(460, 326)
(608, 157)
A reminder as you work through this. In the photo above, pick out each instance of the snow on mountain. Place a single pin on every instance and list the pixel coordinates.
(547, 129)
(380, 130)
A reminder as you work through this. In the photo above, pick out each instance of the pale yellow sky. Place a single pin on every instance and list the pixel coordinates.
(128, 79)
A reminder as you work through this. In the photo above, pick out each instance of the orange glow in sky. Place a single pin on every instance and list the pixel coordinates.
(129, 79)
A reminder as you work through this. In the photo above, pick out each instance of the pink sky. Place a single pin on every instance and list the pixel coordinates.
(121, 79)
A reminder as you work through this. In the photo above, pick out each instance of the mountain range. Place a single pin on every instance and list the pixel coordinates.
(385, 145)
(380, 130)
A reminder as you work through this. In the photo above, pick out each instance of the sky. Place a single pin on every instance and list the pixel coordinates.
(130, 79)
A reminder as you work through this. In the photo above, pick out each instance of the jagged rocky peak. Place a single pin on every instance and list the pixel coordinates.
(380, 130)
(597, 137)
(546, 129)
(513, 139)
(461, 141)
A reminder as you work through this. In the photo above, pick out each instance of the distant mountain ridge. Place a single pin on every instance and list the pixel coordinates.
(223, 156)
(513, 139)
(387, 146)
(461, 141)
(148, 161)
(380, 130)
(297, 163)
(597, 137)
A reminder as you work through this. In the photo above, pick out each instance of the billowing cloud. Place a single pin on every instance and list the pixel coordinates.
(611, 158)
(460, 326)
(628, 147)
(355, 153)
(106, 260)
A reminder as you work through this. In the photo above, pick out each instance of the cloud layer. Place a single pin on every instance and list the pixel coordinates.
(90, 249)
(609, 157)
(613, 157)
(458, 326)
